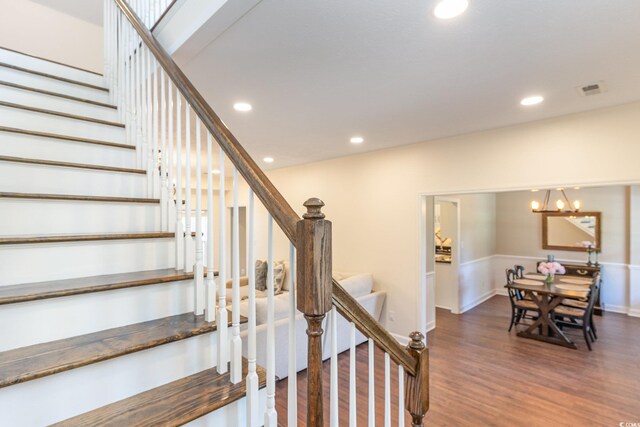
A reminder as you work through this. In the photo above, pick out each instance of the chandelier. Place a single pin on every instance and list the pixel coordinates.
(562, 204)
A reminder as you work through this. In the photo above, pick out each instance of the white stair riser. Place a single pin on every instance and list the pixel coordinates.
(77, 217)
(37, 147)
(30, 120)
(43, 66)
(56, 103)
(29, 178)
(52, 319)
(79, 390)
(40, 262)
(234, 414)
(45, 83)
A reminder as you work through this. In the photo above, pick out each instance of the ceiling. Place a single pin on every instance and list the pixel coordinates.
(87, 10)
(319, 72)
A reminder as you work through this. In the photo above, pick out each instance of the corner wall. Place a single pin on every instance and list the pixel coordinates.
(37, 30)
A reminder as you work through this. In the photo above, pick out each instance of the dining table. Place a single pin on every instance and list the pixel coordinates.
(547, 296)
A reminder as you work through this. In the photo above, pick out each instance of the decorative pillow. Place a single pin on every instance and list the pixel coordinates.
(261, 275)
(279, 277)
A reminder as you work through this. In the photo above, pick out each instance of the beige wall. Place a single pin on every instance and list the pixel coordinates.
(35, 29)
(478, 226)
(519, 230)
(374, 199)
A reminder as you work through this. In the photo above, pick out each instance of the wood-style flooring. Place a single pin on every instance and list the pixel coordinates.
(482, 375)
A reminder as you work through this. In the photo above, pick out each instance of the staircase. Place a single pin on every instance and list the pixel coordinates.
(88, 286)
(114, 309)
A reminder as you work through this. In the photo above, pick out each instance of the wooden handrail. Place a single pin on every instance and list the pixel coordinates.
(349, 308)
(271, 198)
(166, 11)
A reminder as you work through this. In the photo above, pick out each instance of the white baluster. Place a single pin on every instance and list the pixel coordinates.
(188, 240)
(156, 135)
(180, 251)
(198, 282)
(139, 113)
(127, 85)
(151, 149)
(164, 196)
(170, 184)
(352, 376)
(209, 284)
(270, 415)
(292, 384)
(372, 385)
(387, 390)
(105, 41)
(236, 342)
(400, 396)
(333, 388)
(223, 315)
(253, 417)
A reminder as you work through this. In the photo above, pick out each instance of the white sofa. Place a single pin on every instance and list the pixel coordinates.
(360, 286)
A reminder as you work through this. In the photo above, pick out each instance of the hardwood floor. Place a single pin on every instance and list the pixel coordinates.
(482, 375)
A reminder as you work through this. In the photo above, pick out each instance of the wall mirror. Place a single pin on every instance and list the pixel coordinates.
(571, 231)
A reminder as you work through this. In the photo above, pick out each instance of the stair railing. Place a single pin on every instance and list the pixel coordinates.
(145, 82)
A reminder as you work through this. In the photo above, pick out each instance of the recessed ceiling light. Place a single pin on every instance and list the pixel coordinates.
(357, 140)
(268, 159)
(447, 9)
(242, 106)
(216, 171)
(532, 100)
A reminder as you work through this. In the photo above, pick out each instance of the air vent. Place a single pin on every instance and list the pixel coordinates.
(591, 89)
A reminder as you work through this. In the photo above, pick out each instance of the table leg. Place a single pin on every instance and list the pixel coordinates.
(549, 331)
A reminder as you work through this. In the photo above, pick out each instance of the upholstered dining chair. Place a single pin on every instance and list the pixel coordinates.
(520, 307)
(580, 318)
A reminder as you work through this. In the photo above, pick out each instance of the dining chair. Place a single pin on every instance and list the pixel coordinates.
(583, 304)
(519, 269)
(520, 307)
(580, 318)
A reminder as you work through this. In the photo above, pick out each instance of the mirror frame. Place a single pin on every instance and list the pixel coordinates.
(545, 240)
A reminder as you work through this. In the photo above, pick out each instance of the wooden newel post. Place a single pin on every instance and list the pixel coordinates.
(416, 389)
(314, 289)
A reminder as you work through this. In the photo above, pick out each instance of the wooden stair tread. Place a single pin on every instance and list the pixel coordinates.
(51, 76)
(57, 94)
(70, 165)
(172, 404)
(59, 238)
(74, 197)
(40, 360)
(64, 137)
(61, 288)
(60, 114)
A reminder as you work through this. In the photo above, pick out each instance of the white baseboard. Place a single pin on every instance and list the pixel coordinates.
(634, 312)
(431, 326)
(616, 309)
(482, 298)
(501, 291)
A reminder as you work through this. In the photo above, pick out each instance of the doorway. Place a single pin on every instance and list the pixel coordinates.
(446, 252)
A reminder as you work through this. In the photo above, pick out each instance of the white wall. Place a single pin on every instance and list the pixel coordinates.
(35, 29)
(374, 199)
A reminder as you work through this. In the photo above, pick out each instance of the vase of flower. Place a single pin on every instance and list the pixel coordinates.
(550, 269)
